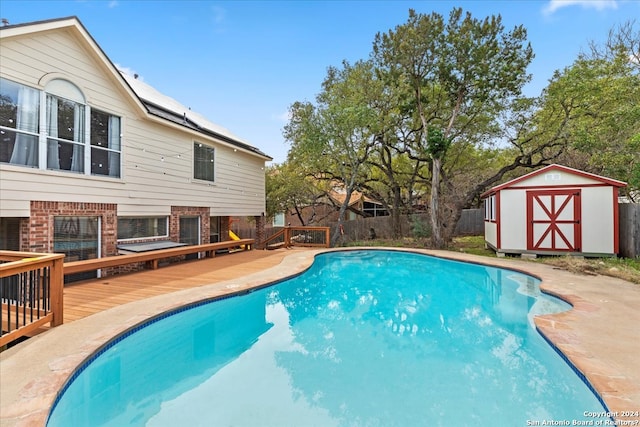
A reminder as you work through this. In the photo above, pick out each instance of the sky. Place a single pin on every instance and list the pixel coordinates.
(243, 63)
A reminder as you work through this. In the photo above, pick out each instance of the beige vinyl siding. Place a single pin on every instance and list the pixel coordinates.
(60, 54)
(148, 185)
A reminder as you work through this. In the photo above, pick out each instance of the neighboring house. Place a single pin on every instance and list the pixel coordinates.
(325, 211)
(91, 159)
(554, 210)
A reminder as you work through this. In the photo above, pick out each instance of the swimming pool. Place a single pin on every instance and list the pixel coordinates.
(362, 338)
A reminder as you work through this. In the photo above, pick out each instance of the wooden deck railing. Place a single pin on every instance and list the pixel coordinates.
(299, 236)
(30, 293)
(153, 257)
(31, 284)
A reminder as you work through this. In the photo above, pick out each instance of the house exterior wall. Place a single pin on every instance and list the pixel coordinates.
(180, 211)
(157, 156)
(157, 166)
(40, 230)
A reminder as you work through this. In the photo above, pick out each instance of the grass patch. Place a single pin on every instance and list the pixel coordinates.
(623, 268)
(471, 245)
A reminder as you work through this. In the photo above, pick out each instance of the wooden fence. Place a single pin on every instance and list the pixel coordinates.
(629, 230)
(471, 223)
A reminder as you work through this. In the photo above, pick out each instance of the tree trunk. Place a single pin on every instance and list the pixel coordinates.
(338, 234)
(396, 223)
(434, 211)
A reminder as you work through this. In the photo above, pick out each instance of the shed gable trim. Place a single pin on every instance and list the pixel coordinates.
(555, 167)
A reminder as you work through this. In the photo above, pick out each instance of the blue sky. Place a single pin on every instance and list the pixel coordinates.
(243, 63)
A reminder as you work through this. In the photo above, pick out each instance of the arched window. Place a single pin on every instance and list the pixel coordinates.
(65, 126)
(78, 138)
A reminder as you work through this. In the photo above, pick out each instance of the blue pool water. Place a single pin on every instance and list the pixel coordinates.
(363, 338)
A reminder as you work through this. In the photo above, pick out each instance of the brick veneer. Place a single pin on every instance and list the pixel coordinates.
(225, 226)
(39, 233)
(260, 230)
(174, 221)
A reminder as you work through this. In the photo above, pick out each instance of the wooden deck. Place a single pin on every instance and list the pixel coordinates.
(85, 298)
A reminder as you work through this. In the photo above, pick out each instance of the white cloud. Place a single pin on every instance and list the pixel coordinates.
(593, 4)
(112, 4)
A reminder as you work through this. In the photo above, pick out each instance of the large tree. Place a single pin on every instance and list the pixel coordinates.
(332, 140)
(291, 190)
(457, 75)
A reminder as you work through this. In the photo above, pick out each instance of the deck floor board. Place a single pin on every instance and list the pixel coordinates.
(85, 298)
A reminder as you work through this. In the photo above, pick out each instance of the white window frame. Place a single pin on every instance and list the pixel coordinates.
(62, 89)
(490, 208)
(196, 146)
(153, 236)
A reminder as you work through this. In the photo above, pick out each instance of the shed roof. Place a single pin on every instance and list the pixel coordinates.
(550, 168)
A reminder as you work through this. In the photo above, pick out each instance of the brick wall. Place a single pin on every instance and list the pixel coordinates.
(260, 229)
(224, 228)
(174, 221)
(39, 236)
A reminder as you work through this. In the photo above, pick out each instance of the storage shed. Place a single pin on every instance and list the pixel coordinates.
(555, 210)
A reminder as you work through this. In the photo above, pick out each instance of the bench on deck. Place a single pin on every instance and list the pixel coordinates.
(151, 257)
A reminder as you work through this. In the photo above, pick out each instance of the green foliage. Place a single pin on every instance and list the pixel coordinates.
(436, 116)
(419, 229)
(596, 105)
(437, 144)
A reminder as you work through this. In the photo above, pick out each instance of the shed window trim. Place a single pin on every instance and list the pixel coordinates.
(490, 208)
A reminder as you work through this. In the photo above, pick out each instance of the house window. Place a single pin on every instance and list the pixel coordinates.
(78, 237)
(19, 124)
(65, 134)
(105, 144)
(142, 227)
(203, 162)
(78, 138)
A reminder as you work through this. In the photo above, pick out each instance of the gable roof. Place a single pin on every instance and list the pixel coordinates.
(167, 108)
(550, 168)
(150, 101)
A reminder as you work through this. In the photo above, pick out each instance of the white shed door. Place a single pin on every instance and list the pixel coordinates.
(553, 220)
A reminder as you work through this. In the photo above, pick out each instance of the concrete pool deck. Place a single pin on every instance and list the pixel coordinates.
(600, 335)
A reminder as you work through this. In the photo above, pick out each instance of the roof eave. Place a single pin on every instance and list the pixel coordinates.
(189, 124)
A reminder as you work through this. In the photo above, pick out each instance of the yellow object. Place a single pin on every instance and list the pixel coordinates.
(234, 236)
